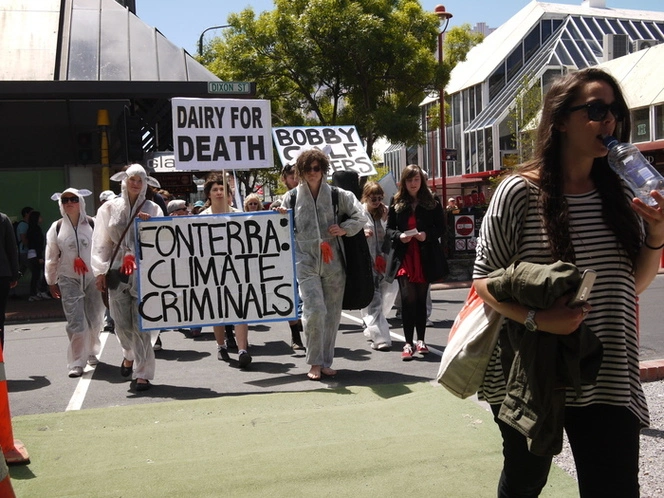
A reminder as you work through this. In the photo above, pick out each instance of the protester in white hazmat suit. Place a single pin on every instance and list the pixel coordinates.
(374, 316)
(320, 273)
(68, 275)
(112, 220)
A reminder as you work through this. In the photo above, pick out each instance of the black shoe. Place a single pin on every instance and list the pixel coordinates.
(222, 354)
(143, 387)
(296, 341)
(126, 371)
(244, 359)
(157, 345)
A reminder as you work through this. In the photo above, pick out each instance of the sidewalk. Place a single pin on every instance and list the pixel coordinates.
(20, 310)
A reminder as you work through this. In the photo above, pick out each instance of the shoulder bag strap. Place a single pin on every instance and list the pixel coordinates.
(131, 221)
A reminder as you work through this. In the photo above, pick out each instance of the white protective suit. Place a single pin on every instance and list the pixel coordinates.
(321, 285)
(81, 301)
(374, 315)
(112, 219)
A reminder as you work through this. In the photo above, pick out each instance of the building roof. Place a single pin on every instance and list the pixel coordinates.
(484, 58)
(87, 40)
(635, 74)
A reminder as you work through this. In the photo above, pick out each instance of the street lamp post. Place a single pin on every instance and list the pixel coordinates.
(444, 18)
(200, 39)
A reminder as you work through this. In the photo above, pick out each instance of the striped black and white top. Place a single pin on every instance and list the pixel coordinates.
(506, 233)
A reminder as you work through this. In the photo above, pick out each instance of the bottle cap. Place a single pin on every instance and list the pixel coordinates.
(610, 141)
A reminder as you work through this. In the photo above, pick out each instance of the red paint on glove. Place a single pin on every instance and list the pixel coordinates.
(380, 264)
(128, 264)
(326, 251)
(80, 267)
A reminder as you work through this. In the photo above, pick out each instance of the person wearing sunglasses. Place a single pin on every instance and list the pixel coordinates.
(374, 316)
(67, 272)
(573, 207)
(318, 259)
(252, 203)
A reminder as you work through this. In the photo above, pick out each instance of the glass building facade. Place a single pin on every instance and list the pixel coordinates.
(539, 43)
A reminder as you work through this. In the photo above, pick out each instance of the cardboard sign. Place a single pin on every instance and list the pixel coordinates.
(346, 150)
(215, 134)
(215, 269)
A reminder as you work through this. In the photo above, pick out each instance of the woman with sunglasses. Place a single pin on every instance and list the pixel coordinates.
(377, 328)
(67, 272)
(579, 211)
(320, 271)
(252, 203)
(114, 229)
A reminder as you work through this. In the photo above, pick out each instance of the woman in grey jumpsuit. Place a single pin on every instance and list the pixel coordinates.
(318, 260)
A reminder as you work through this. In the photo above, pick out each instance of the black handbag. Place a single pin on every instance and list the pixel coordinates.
(360, 286)
(114, 277)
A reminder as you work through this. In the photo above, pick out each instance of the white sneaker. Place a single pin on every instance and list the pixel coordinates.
(93, 360)
(76, 372)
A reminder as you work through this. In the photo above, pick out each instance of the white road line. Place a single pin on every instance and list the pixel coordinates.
(81, 390)
(392, 334)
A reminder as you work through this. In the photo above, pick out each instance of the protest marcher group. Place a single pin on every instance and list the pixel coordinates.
(90, 263)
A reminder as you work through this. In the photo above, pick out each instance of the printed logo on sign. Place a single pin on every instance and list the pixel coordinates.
(464, 226)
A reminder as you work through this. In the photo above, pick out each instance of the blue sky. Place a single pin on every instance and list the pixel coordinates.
(183, 22)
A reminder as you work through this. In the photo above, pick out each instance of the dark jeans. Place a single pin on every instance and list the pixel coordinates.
(605, 443)
(4, 294)
(37, 283)
(413, 308)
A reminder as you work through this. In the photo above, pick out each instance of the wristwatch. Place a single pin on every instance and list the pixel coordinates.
(530, 323)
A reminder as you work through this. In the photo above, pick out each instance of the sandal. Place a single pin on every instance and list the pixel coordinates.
(143, 386)
(126, 371)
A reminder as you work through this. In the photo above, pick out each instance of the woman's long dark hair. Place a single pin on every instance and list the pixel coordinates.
(402, 198)
(616, 210)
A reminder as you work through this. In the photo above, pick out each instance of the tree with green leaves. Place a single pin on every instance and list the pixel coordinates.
(368, 63)
(458, 42)
(523, 117)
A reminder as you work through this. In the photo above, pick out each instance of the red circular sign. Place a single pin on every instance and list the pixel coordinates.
(464, 226)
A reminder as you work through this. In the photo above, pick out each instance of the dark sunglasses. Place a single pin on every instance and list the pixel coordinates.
(252, 204)
(597, 111)
(309, 169)
(376, 199)
(65, 200)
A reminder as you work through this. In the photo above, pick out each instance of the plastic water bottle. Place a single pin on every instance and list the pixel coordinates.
(626, 160)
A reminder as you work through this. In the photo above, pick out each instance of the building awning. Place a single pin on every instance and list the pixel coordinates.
(650, 146)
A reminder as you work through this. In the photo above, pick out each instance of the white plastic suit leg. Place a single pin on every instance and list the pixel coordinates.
(378, 329)
(322, 296)
(83, 309)
(136, 345)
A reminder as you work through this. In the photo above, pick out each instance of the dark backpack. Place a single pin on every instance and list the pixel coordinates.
(359, 289)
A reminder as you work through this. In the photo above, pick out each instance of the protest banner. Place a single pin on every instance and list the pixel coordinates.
(216, 134)
(215, 269)
(346, 150)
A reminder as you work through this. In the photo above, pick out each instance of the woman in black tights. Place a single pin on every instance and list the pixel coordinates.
(415, 223)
